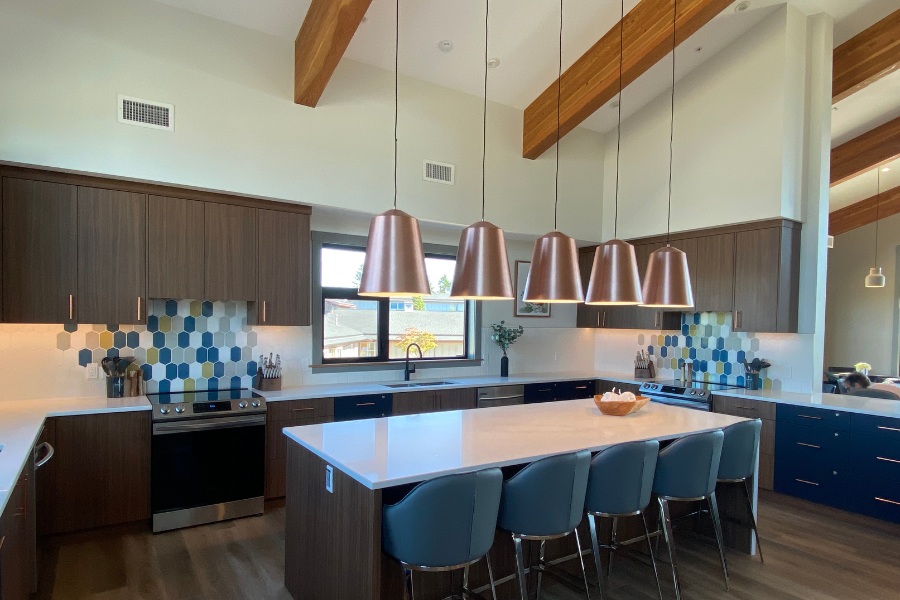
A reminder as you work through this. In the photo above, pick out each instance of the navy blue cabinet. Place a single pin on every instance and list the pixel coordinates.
(350, 408)
(559, 390)
(845, 460)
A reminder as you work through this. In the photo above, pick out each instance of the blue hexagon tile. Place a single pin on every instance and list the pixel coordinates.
(708, 343)
(186, 345)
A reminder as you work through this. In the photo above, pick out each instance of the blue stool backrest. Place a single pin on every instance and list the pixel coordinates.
(688, 467)
(739, 450)
(547, 496)
(621, 478)
(444, 522)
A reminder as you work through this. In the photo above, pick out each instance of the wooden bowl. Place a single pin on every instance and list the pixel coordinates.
(639, 403)
(614, 408)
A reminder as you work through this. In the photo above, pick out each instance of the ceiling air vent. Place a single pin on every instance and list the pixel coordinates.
(438, 172)
(146, 113)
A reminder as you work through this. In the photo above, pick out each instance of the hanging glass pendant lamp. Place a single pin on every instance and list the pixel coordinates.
(554, 276)
(875, 278)
(482, 266)
(667, 283)
(614, 276)
(395, 262)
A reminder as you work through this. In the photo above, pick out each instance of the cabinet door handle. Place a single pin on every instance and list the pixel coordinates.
(808, 445)
(71, 307)
(810, 417)
(888, 428)
(656, 320)
(604, 318)
(737, 318)
(139, 308)
(50, 452)
(581, 387)
(806, 482)
(891, 460)
(366, 404)
(599, 322)
(746, 407)
(887, 501)
(304, 408)
(264, 311)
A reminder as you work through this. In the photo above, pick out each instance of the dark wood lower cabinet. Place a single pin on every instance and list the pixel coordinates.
(290, 413)
(16, 569)
(755, 409)
(99, 475)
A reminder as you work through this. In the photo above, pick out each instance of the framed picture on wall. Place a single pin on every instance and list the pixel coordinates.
(522, 308)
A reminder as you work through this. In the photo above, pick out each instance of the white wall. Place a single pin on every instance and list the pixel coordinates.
(237, 128)
(737, 140)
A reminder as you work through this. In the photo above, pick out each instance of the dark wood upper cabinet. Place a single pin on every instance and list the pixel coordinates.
(39, 251)
(230, 256)
(284, 268)
(175, 228)
(650, 318)
(767, 279)
(711, 261)
(587, 316)
(112, 256)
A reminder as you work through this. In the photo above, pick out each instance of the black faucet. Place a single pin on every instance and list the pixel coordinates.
(410, 368)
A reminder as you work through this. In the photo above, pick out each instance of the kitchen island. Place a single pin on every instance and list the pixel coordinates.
(339, 475)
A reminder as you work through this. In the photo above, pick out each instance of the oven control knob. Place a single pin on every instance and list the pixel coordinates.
(255, 404)
(164, 410)
(179, 409)
(242, 404)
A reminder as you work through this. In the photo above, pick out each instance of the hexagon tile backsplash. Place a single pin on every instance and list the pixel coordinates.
(707, 341)
(186, 345)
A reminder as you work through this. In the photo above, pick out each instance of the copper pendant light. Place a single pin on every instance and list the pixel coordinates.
(395, 260)
(875, 278)
(482, 266)
(554, 275)
(614, 276)
(667, 283)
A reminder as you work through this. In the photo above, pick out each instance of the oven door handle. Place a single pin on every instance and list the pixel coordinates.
(207, 424)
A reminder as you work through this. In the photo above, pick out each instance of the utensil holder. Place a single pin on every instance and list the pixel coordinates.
(267, 385)
(115, 387)
(752, 381)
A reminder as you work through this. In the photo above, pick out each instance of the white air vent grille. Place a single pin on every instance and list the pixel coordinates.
(146, 113)
(439, 172)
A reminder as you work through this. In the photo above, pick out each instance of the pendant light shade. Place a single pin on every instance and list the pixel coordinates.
(482, 266)
(875, 278)
(668, 283)
(395, 262)
(614, 276)
(554, 275)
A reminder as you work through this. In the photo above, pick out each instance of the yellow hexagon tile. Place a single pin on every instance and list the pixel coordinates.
(189, 385)
(152, 356)
(165, 324)
(207, 369)
(106, 340)
(196, 308)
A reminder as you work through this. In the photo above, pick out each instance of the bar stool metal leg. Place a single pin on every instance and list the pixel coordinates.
(652, 556)
(595, 548)
(587, 590)
(666, 522)
(520, 567)
(714, 513)
(487, 559)
(408, 591)
(540, 573)
(615, 528)
(746, 487)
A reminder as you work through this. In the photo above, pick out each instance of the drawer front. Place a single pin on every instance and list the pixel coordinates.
(814, 417)
(817, 487)
(766, 471)
(539, 392)
(875, 503)
(576, 390)
(741, 407)
(350, 408)
(289, 410)
(812, 446)
(276, 441)
(878, 434)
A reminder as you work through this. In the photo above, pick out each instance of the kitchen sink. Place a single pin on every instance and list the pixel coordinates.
(411, 384)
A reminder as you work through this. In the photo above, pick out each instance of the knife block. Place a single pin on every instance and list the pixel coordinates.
(267, 385)
(647, 373)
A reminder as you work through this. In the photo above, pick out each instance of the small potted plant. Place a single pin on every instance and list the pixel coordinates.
(505, 337)
(863, 367)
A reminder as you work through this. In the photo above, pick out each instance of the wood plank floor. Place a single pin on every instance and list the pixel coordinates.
(811, 552)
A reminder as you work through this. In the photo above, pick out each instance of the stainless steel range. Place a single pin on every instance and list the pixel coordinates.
(689, 394)
(207, 459)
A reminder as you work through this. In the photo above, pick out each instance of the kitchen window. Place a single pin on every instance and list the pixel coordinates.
(353, 330)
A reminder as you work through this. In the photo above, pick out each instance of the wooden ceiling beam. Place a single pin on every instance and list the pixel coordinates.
(865, 152)
(863, 212)
(866, 57)
(324, 36)
(594, 78)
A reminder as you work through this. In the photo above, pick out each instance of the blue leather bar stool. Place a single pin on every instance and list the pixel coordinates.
(686, 470)
(620, 485)
(739, 454)
(444, 524)
(544, 501)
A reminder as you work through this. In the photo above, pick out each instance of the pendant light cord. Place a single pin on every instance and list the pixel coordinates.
(619, 118)
(672, 123)
(877, 203)
(558, 100)
(487, 11)
(396, 91)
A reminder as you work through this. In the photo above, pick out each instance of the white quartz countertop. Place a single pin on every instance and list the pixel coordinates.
(21, 422)
(382, 453)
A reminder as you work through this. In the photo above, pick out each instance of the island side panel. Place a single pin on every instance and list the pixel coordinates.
(332, 540)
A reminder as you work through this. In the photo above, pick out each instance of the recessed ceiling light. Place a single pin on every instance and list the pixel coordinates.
(698, 49)
(742, 6)
(494, 63)
(834, 108)
(365, 18)
(885, 170)
(445, 45)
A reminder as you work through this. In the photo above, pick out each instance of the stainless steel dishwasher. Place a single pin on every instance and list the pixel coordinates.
(501, 395)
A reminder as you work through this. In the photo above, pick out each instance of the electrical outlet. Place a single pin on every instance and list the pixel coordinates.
(304, 363)
(92, 371)
(329, 479)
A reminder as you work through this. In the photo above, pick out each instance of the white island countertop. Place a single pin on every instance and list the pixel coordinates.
(381, 453)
